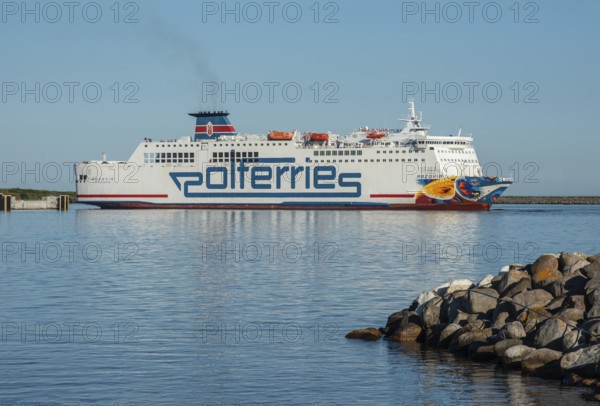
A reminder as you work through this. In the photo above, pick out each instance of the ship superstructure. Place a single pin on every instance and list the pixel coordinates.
(371, 168)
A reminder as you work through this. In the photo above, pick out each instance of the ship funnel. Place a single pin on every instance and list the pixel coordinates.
(212, 124)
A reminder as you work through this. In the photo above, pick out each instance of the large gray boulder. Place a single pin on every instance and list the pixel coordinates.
(513, 329)
(451, 305)
(583, 362)
(592, 291)
(514, 355)
(573, 341)
(567, 260)
(432, 334)
(481, 300)
(571, 316)
(500, 320)
(431, 312)
(530, 299)
(549, 334)
(572, 283)
(463, 340)
(486, 282)
(447, 335)
(510, 279)
(543, 362)
(501, 346)
(592, 270)
(408, 332)
(423, 299)
(544, 271)
(533, 317)
(459, 285)
(521, 286)
(591, 330)
(400, 319)
(574, 302)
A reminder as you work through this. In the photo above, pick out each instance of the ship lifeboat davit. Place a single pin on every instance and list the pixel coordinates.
(375, 135)
(280, 136)
(320, 137)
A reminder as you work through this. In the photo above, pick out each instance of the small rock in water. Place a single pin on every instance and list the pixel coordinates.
(369, 334)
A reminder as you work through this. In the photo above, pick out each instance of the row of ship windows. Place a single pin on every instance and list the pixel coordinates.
(237, 155)
(368, 160)
(458, 160)
(158, 145)
(357, 152)
(168, 157)
(453, 151)
(262, 144)
(444, 142)
(410, 151)
(223, 157)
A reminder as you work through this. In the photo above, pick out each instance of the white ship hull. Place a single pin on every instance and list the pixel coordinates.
(253, 172)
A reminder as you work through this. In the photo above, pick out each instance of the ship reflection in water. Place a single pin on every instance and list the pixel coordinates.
(252, 306)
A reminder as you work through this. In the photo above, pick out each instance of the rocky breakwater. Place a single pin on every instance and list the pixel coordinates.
(542, 318)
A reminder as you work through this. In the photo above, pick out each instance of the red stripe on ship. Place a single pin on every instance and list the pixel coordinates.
(392, 196)
(123, 196)
(216, 129)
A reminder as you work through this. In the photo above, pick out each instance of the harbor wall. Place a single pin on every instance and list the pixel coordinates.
(549, 200)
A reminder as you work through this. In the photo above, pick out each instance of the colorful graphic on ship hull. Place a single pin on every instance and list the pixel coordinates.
(455, 189)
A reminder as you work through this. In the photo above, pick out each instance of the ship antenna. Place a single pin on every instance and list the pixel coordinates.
(411, 108)
(459, 131)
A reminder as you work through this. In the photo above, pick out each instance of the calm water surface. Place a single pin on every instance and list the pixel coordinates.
(251, 307)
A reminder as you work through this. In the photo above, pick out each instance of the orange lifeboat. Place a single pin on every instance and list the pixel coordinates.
(280, 136)
(320, 137)
(375, 135)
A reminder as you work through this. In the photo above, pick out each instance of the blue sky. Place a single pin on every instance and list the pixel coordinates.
(363, 60)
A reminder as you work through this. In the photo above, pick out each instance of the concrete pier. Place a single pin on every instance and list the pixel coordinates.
(10, 203)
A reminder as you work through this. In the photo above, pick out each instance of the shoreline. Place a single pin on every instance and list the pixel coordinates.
(541, 318)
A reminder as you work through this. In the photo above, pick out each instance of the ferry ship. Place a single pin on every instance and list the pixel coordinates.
(369, 169)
